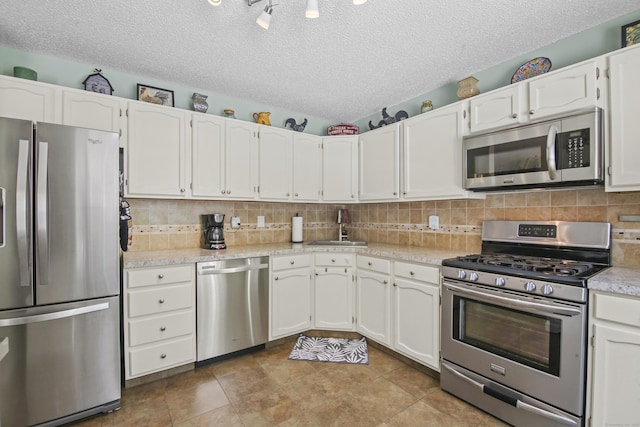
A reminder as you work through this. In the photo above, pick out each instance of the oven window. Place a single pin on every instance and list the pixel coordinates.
(529, 339)
(524, 156)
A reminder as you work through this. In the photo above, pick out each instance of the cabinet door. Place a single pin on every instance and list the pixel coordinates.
(241, 160)
(275, 163)
(624, 147)
(379, 165)
(339, 169)
(207, 156)
(571, 89)
(432, 155)
(290, 302)
(616, 376)
(334, 298)
(27, 100)
(373, 305)
(91, 110)
(307, 167)
(157, 151)
(417, 321)
(497, 109)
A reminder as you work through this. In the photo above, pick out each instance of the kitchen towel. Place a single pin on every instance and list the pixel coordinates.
(296, 229)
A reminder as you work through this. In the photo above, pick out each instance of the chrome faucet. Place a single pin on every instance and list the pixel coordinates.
(343, 218)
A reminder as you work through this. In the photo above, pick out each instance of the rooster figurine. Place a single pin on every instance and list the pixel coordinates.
(292, 123)
(387, 119)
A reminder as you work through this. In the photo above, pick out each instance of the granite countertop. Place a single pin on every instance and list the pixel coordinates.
(617, 280)
(185, 256)
(4, 347)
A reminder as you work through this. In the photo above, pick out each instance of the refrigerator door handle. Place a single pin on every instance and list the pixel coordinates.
(45, 317)
(41, 208)
(22, 209)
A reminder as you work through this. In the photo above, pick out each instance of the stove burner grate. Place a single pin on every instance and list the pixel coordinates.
(547, 266)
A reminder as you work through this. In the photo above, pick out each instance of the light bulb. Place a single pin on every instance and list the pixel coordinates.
(265, 18)
(359, 2)
(312, 9)
(215, 2)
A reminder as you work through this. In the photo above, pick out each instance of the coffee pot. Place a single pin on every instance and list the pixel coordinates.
(213, 232)
(262, 118)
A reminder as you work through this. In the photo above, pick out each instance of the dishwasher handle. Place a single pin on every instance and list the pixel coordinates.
(212, 269)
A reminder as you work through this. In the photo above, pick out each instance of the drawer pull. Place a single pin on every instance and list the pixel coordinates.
(413, 273)
(163, 356)
(161, 300)
(333, 260)
(369, 263)
(395, 285)
(163, 328)
(292, 262)
(385, 282)
(275, 278)
(160, 276)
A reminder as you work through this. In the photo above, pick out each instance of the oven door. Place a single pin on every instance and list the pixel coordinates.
(531, 344)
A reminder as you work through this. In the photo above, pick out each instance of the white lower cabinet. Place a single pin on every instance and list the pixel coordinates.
(615, 352)
(334, 292)
(416, 308)
(373, 298)
(290, 295)
(159, 318)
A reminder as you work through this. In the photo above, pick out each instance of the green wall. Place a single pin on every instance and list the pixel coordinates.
(587, 44)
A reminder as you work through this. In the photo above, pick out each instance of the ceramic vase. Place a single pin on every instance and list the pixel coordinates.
(467, 88)
(200, 103)
(426, 106)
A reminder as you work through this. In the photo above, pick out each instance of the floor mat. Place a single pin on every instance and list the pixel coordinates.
(340, 350)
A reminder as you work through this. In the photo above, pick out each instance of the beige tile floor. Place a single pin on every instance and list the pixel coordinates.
(266, 389)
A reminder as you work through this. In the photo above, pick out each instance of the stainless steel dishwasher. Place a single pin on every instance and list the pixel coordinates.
(232, 306)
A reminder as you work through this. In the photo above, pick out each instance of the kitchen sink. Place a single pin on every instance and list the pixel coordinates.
(337, 243)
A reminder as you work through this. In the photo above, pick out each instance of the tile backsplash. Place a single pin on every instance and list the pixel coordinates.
(173, 224)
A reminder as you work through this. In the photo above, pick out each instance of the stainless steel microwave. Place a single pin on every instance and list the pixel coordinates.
(564, 152)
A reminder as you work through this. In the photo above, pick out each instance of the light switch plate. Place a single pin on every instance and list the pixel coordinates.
(235, 222)
(434, 222)
(260, 221)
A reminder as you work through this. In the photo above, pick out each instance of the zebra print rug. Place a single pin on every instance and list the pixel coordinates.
(341, 350)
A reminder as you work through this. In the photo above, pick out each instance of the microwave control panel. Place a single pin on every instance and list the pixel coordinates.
(573, 149)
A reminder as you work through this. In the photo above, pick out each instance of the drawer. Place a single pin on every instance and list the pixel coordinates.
(374, 264)
(158, 328)
(138, 277)
(160, 299)
(290, 261)
(334, 259)
(162, 356)
(422, 273)
(625, 310)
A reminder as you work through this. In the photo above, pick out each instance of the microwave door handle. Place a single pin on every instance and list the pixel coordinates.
(551, 151)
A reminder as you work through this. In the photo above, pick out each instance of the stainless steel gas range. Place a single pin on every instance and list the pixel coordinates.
(514, 320)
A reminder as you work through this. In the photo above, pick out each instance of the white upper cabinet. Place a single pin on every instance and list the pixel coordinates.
(623, 150)
(379, 164)
(207, 156)
(275, 163)
(340, 169)
(91, 110)
(307, 167)
(28, 100)
(241, 160)
(157, 150)
(496, 109)
(432, 155)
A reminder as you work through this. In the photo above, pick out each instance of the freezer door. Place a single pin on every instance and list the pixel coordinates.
(76, 214)
(63, 362)
(15, 214)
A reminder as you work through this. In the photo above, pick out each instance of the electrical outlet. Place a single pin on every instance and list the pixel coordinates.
(235, 222)
(260, 221)
(434, 222)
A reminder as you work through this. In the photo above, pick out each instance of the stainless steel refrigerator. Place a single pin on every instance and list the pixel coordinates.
(59, 273)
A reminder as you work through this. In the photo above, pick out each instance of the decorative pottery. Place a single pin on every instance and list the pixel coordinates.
(200, 103)
(467, 88)
(262, 118)
(532, 68)
(426, 106)
(229, 113)
(25, 73)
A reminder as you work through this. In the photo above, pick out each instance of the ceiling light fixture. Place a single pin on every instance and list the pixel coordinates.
(312, 9)
(359, 2)
(215, 2)
(265, 17)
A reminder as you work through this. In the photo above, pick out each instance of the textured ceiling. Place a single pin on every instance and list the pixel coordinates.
(343, 66)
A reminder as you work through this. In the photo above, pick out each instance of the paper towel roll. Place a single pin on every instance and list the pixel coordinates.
(296, 229)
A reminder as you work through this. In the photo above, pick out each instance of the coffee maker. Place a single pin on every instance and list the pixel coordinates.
(214, 231)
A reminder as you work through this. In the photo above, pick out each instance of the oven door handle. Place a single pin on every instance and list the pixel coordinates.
(515, 303)
(511, 400)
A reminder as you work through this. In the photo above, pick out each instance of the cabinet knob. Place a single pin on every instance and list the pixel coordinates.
(287, 194)
(531, 112)
(514, 116)
(333, 260)
(163, 356)
(296, 194)
(275, 278)
(385, 282)
(228, 191)
(369, 263)
(395, 285)
(222, 191)
(182, 190)
(160, 276)
(161, 300)
(395, 193)
(353, 196)
(413, 273)
(292, 262)
(163, 328)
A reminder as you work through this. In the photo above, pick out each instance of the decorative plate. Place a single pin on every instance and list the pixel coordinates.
(532, 68)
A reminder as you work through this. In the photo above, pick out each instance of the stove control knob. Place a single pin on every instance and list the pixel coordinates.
(547, 290)
(500, 281)
(473, 276)
(462, 274)
(529, 286)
